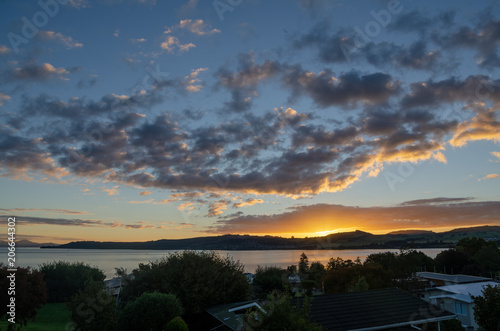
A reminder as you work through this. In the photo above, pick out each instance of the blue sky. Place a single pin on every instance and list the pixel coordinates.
(141, 120)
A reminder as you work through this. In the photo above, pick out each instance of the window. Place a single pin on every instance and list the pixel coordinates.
(460, 308)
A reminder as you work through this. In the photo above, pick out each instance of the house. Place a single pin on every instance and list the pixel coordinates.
(231, 315)
(250, 277)
(113, 285)
(294, 279)
(436, 279)
(374, 310)
(457, 299)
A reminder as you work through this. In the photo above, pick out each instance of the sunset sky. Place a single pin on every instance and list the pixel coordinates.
(135, 120)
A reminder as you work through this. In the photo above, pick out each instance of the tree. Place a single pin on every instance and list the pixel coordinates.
(30, 293)
(348, 278)
(93, 308)
(339, 262)
(487, 308)
(281, 315)
(64, 279)
(150, 312)
(268, 279)
(451, 260)
(198, 279)
(177, 324)
(316, 273)
(303, 264)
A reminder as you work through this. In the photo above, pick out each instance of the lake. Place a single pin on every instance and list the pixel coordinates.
(108, 260)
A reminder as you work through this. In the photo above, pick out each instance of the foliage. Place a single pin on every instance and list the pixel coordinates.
(316, 273)
(150, 312)
(472, 256)
(64, 279)
(361, 285)
(268, 279)
(282, 315)
(487, 308)
(177, 324)
(303, 265)
(337, 263)
(198, 279)
(30, 293)
(346, 278)
(93, 308)
(451, 260)
(307, 285)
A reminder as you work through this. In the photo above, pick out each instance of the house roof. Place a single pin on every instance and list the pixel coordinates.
(373, 310)
(227, 313)
(458, 278)
(465, 290)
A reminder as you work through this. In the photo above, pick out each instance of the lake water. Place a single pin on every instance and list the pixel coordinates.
(108, 260)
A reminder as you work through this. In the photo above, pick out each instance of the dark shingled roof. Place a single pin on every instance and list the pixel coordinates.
(373, 310)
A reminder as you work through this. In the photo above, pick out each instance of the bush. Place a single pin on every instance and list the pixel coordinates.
(150, 312)
(177, 324)
(268, 279)
(30, 293)
(199, 279)
(64, 279)
(93, 309)
(281, 315)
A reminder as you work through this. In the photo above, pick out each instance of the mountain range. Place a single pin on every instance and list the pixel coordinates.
(346, 240)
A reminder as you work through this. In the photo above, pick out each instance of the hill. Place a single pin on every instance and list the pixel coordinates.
(346, 240)
(25, 243)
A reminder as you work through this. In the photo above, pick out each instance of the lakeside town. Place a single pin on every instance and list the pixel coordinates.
(200, 290)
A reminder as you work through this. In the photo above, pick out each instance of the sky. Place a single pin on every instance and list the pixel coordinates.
(137, 120)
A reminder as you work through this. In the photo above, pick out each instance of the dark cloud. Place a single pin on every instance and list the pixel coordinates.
(435, 201)
(484, 39)
(477, 88)
(347, 89)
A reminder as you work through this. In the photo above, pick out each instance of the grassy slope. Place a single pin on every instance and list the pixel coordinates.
(51, 317)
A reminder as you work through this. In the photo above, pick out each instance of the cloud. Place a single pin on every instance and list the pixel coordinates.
(198, 27)
(217, 207)
(111, 191)
(4, 50)
(116, 33)
(172, 43)
(432, 201)
(42, 72)
(347, 89)
(329, 216)
(59, 211)
(144, 193)
(3, 98)
(247, 202)
(138, 40)
(484, 126)
(78, 4)
(186, 206)
(190, 5)
(490, 176)
(496, 154)
(58, 37)
(191, 81)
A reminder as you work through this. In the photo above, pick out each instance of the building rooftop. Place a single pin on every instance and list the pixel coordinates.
(373, 310)
(463, 292)
(457, 279)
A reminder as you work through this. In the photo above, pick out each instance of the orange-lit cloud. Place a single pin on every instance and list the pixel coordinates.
(418, 214)
(484, 126)
(247, 202)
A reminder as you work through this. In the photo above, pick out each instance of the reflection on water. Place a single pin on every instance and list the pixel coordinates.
(108, 260)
